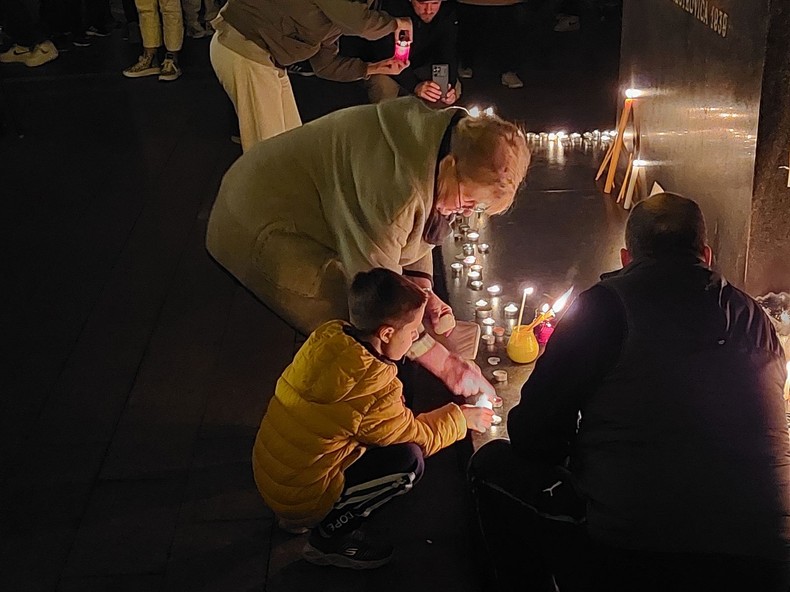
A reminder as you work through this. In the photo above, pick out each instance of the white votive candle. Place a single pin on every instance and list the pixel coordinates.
(457, 268)
(483, 248)
(469, 261)
(473, 236)
(494, 289)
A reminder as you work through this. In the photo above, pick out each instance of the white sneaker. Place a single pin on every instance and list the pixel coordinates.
(146, 65)
(40, 54)
(511, 80)
(465, 72)
(567, 23)
(17, 53)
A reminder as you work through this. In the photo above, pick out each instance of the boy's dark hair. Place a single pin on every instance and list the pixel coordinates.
(665, 224)
(380, 296)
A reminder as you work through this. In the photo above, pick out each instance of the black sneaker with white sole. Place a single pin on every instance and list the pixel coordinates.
(351, 551)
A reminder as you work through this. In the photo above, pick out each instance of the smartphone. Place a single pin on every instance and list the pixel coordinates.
(441, 76)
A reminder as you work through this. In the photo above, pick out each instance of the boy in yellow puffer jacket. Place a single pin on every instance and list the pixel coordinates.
(337, 440)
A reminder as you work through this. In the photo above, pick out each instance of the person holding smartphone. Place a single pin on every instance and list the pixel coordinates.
(432, 71)
(256, 40)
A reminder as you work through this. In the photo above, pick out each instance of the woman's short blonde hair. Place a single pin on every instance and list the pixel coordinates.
(491, 153)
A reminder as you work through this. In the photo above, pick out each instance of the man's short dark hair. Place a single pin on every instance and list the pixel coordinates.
(380, 296)
(665, 224)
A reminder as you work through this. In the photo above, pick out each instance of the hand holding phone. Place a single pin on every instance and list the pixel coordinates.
(440, 74)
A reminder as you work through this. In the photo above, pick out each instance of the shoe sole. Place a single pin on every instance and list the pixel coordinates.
(316, 557)
(169, 77)
(43, 60)
(143, 73)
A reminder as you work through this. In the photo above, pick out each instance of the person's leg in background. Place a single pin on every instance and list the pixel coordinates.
(468, 37)
(132, 29)
(151, 30)
(511, 22)
(173, 25)
(191, 9)
(23, 25)
(531, 523)
(380, 475)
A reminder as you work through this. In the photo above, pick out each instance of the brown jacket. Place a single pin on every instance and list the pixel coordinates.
(297, 30)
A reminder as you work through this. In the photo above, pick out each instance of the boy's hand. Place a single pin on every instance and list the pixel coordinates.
(465, 378)
(478, 419)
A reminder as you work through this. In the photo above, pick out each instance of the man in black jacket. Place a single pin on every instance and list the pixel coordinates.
(433, 42)
(650, 449)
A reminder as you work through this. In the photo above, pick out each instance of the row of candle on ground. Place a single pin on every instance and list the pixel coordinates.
(593, 136)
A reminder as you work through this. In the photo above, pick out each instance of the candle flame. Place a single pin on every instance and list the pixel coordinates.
(544, 308)
(474, 111)
(633, 93)
(481, 303)
(562, 300)
(489, 111)
(529, 291)
(640, 163)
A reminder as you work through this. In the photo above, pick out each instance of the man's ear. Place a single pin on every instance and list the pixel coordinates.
(385, 333)
(625, 257)
(707, 255)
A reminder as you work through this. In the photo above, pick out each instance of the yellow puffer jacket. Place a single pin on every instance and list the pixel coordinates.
(331, 402)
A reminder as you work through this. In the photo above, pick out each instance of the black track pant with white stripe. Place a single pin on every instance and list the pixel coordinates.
(377, 477)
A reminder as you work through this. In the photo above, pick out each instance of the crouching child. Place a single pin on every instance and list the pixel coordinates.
(337, 441)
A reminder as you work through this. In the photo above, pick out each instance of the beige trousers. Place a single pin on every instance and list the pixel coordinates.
(261, 94)
(151, 26)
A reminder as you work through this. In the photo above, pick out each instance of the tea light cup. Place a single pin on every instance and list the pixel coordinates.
(483, 248)
(468, 249)
(500, 375)
(469, 261)
(476, 285)
(494, 290)
(457, 268)
(473, 236)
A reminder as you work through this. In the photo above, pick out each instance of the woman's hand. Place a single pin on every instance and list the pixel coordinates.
(478, 419)
(429, 91)
(435, 309)
(390, 67)
(465, 378)
(404, 24)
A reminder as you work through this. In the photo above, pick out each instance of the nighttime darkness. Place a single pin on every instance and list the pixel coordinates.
(395, 295)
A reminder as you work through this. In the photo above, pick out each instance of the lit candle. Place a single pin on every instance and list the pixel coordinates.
(511, 311)
(636, 170)
(496, 420)
(473, 276)
(468, 248)
(469, 261)
(543, 332)
(457, 268)
(473, 236)
(552, 137)
(482, 303)
(483, 248)
(402, 49)
(482, 401)
(478, 268)
(494, 290)
(544, 136)
(489, 322)
(476, 285)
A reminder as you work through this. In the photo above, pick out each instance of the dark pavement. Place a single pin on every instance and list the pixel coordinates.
(135, 370)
